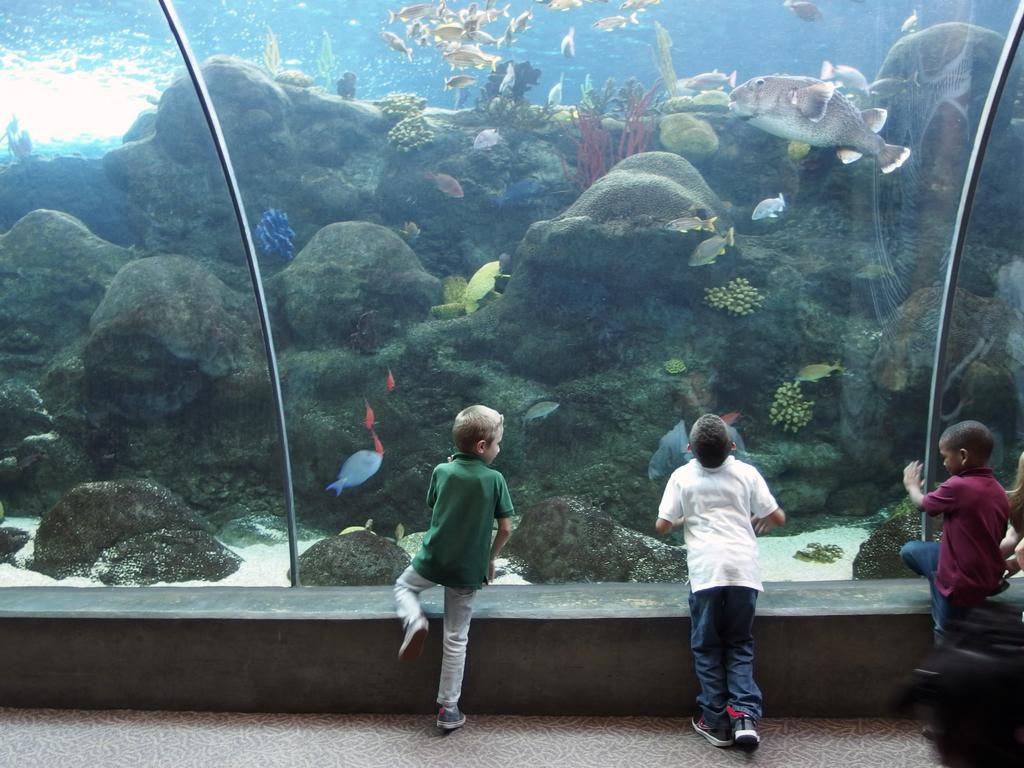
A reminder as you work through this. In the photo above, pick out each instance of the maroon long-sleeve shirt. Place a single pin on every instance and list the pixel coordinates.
(974, 511)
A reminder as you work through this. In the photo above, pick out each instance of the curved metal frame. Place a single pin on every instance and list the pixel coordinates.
(254, 270)
(963, 219)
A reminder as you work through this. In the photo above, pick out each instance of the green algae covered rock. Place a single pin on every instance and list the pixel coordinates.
(687, 135)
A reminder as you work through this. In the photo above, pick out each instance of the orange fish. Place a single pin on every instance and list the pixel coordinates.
(390, 381)
(378, 446)
(730, 417)
(447, 184)
(369, 416)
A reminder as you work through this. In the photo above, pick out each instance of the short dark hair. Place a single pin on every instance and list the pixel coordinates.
(972, 436)
(709, 440)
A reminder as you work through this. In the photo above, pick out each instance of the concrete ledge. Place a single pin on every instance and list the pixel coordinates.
(826, 649)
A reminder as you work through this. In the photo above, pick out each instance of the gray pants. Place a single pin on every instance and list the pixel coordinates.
(458, 611)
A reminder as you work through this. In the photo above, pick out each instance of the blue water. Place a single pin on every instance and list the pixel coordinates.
(75, 72)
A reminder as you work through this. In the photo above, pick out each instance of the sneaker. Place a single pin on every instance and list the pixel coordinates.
(450, 718)
(720, 737)
(744, 729)
(415, 635)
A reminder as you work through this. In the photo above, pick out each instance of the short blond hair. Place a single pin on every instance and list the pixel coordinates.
(476, 423)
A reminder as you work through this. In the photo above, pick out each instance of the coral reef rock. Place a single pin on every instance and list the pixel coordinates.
(347, 270)
(128, 532)
(650, 187)
(879, 555)
(687, 135)
(60, 271)
(11, 540)
(164, 328)
(357, 559)
(564, 539)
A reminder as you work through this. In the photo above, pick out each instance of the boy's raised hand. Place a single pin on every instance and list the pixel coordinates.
(912, 476)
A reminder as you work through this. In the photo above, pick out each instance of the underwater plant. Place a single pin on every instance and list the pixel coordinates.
(789, 407)
(663, 59)
(737, 297)
(325, 63)
(271, 53)
(274, 236)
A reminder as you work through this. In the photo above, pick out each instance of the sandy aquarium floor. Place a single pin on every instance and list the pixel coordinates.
(266, 565)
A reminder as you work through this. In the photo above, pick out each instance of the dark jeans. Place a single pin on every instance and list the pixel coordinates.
(722, 640)
(922, 557)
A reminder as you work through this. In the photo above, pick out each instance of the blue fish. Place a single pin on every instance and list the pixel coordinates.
(516, 191)
(274, 236)
(357, 469)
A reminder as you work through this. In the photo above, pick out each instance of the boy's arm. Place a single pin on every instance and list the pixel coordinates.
(504, 531)
(664, 527)
(912, 482)
(764, 524)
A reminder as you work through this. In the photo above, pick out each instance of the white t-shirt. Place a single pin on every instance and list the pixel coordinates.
(715, 506)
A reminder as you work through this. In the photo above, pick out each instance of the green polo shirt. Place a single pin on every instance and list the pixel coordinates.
(466, 496)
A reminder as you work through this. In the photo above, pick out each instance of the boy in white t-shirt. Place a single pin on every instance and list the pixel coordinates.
(722, 504)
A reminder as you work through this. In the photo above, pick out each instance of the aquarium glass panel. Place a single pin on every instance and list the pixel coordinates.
(985, 351)
(603, 222)
(601, 219)
(136, 440)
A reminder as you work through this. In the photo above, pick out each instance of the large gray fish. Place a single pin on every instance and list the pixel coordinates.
(809, 110)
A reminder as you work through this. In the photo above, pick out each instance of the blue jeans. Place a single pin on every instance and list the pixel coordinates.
(722, 640)
(922, 557)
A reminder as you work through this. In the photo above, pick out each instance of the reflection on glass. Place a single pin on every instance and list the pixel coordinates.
(594, 219)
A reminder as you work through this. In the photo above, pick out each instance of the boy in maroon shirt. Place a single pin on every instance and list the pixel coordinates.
(966, 567)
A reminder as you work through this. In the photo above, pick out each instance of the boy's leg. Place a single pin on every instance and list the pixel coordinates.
(407, 606)
(922, 557)
(458, 612)
(745, 701)
(708, 658)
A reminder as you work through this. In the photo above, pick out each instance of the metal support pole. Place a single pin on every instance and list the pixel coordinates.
(956, 251)
(220, 145)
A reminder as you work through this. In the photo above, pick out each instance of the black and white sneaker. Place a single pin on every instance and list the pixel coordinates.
(744, 730)
(720, 737)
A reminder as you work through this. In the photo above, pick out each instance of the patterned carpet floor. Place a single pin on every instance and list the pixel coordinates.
(48, 738)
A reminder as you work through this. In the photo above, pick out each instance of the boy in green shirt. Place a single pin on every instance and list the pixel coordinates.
(466, 496)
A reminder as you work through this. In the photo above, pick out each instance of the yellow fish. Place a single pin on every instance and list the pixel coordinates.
(712, 248)
(471, 56)
(459, 81)
(910, 23)
(687, 223)
(609, 23)
(874, 272)
(816, 371)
